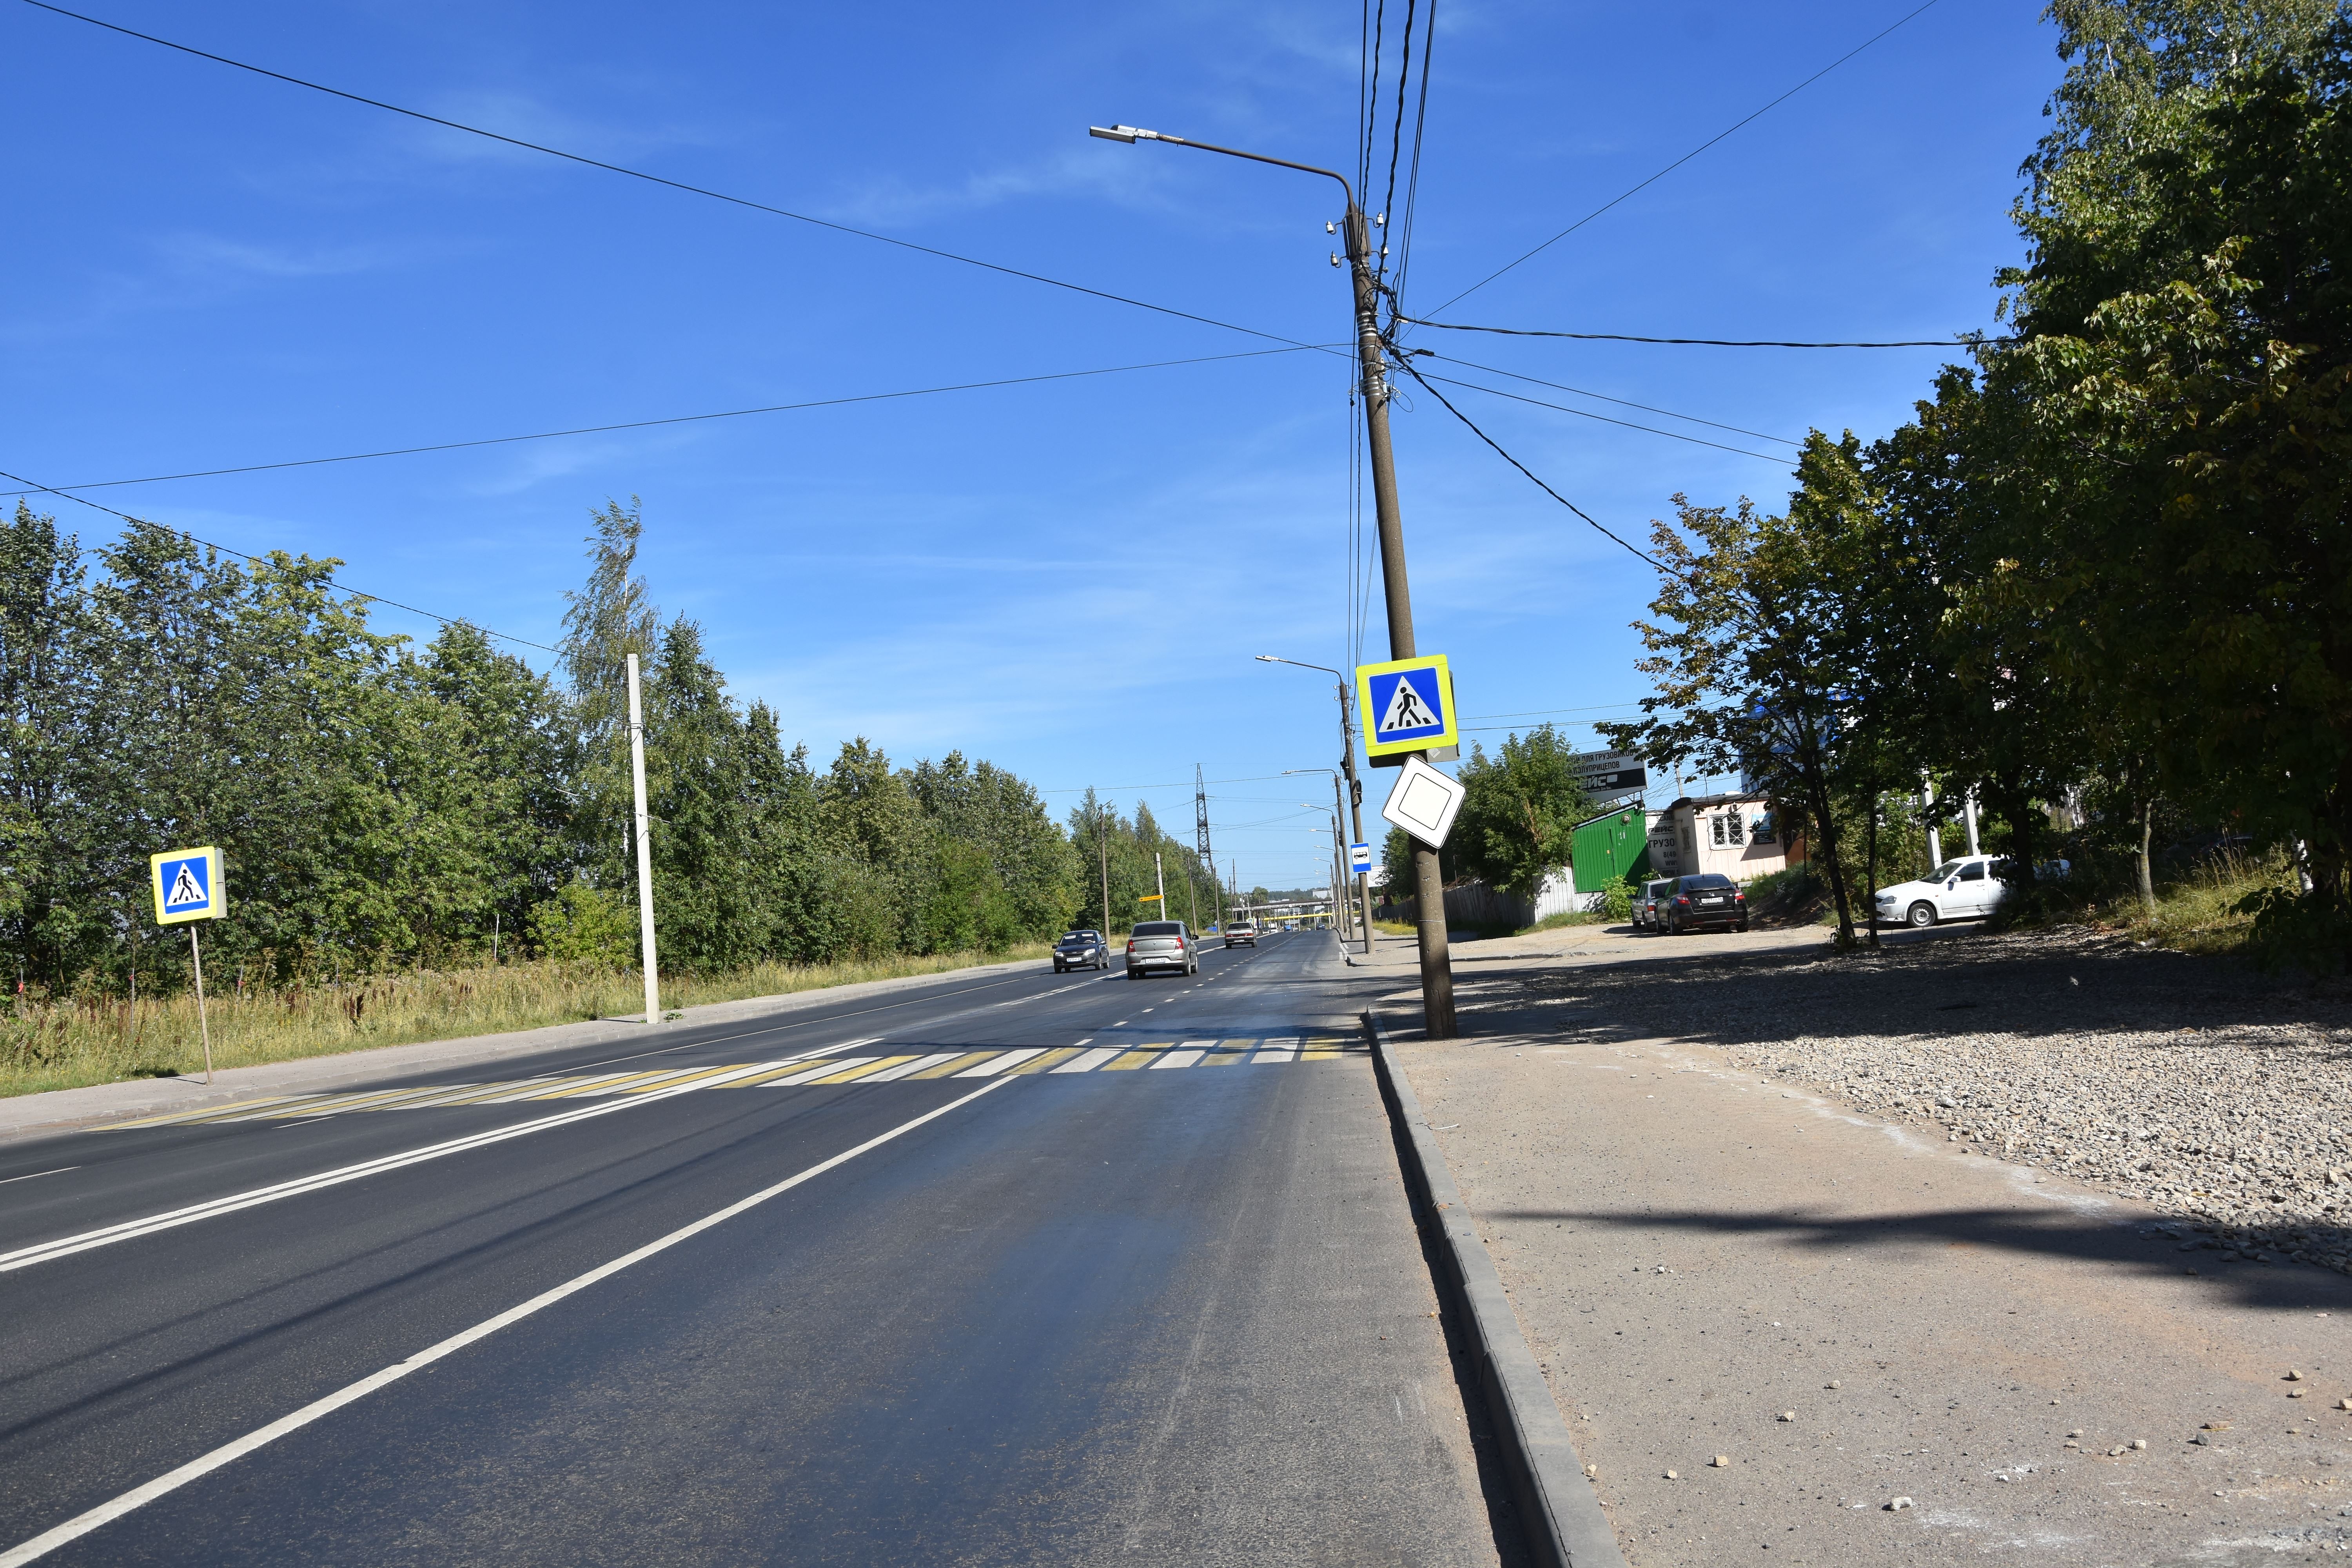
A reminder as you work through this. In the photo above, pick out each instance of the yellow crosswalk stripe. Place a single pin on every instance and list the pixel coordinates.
(944, 1070)
(1272, 1050)
(849, 1075)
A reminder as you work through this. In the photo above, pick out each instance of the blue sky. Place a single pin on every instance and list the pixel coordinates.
(208, 268)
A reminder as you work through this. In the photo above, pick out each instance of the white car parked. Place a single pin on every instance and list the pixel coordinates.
(1962, 889)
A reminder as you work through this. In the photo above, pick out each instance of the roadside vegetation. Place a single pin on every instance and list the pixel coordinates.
(428, 841)
(75, 1041)
(2101, 582)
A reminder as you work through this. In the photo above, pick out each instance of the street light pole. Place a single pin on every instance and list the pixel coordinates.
(1436, 965)
(1355, 790)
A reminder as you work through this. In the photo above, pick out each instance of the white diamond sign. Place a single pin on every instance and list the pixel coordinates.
(1424, 802)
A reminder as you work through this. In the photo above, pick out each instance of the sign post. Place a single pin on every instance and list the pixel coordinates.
(189, 886)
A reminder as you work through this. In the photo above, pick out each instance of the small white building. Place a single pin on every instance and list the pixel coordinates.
(1740, 835)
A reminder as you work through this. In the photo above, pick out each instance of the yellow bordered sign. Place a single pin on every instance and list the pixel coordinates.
(1407, 704)
(189, 885)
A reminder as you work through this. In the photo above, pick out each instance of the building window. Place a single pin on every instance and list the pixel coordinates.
(1737, 828)
(1763, 830)
(1721, 837)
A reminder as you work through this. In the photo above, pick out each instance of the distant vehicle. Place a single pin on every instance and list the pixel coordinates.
(1965, 888)
(1080, 950)
(1646, 900)
(1708, 898)
(1161, 944)
(1241, 931)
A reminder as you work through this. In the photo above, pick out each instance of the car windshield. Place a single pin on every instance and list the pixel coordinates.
(1949, 868)
(1159, 928)
(1079, 936)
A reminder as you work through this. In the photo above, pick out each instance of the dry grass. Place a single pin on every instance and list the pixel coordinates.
(2198, 913)
(66, 1043)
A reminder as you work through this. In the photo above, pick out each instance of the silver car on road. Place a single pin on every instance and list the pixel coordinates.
(1161, 944)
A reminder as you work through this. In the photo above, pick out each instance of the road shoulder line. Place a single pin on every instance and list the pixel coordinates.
(1559, 1510)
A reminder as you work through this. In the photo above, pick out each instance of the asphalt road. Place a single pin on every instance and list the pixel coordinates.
(1064, 1269)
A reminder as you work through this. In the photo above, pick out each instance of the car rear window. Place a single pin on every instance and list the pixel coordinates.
(1707, 880)
(1159, 928)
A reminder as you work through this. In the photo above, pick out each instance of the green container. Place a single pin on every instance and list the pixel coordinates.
(1612, 847)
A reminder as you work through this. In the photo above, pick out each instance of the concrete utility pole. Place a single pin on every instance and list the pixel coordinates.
(645, 846)
(1160, 877)
(1355, 787)
(1102, 839)
(1436, 965)
(1927, 806)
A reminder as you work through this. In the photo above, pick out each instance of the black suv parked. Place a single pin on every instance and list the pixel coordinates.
(1709, 898)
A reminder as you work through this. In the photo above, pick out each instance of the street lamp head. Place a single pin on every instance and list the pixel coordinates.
(1128, 133)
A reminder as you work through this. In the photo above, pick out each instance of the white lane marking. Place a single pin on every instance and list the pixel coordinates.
(171, 1481)
(891, 1075)
(125, 1230)
(308, 1121)
(1090, 1060)
(1205, 1045)
(1177, 1059)
(60, 1171)
(1008, 1060)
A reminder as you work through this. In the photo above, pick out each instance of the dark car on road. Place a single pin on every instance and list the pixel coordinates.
(1647, 900)
(1709, 898)
(1081, 950)
(1161, 944)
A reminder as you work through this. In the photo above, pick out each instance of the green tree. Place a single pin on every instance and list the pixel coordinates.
(1519, 811)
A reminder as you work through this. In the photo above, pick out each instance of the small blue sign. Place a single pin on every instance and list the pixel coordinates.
(1359, 856)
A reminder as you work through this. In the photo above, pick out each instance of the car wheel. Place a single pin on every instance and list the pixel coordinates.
(1923, 914)
(1741, 926)
(1675, 925)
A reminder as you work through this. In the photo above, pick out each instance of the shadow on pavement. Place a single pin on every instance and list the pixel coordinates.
(2055, 1235)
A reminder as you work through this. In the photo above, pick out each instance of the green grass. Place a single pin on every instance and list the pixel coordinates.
(1565, 918)
(68, 1044)
(2194, 913)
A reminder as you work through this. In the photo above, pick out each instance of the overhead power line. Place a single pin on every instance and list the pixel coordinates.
(30, 488)
(1662, 173)
(1596, 526)
(1604, 397)
(1583, 414)
(673, 419)
(1950, 343)
(659, 180)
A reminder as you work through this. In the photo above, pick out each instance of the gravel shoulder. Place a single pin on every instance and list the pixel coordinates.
(1959, 1223)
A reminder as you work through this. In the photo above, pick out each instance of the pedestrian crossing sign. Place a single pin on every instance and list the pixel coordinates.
(1408, 706)
(188, 885)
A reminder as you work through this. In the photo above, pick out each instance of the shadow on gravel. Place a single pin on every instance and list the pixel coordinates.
(1949, 1231)
(2038, 985)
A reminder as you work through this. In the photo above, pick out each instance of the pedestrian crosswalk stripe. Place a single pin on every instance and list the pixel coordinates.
(955, 1064)
(833, 1069)
(912, 1066)
(864, 1065)
(1001, 1063)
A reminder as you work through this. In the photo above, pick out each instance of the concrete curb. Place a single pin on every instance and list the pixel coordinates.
(26, 1117)
(1559, 1510)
